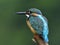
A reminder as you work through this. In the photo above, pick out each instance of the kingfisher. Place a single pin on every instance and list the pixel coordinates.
(38, 25)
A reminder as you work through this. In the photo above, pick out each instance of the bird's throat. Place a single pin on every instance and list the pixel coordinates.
(27, 15)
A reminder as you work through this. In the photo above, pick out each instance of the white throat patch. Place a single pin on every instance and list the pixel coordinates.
(27, 15)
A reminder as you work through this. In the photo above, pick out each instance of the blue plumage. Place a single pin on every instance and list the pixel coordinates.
(40, 24)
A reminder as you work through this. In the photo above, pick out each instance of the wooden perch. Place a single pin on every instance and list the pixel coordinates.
(39, 40)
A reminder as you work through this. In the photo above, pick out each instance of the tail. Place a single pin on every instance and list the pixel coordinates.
(39, 40)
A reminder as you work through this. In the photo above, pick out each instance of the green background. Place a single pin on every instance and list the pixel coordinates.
(13, 28)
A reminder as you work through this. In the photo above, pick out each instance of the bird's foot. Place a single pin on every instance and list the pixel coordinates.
(33, 40)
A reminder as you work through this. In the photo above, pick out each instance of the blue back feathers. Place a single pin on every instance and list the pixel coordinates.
(40, 24)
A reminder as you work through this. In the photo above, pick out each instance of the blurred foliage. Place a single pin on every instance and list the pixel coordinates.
(13, 28)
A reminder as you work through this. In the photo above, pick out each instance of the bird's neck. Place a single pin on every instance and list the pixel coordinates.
(34, 14)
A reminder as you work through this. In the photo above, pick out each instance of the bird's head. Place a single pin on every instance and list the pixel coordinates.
(32, 11)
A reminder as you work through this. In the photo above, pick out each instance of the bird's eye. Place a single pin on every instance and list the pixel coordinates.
(28, 12)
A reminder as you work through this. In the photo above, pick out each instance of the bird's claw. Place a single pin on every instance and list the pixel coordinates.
(33, 40)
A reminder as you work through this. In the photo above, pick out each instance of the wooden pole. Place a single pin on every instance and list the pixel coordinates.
(39, 40)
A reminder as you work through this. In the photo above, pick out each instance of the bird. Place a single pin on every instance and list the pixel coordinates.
(38, 25)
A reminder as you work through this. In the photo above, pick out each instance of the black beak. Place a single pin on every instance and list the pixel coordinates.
(21, 13)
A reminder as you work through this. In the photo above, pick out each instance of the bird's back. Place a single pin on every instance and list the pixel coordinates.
(40, 24)
(37, 24)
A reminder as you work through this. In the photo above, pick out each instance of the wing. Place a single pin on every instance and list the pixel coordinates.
(40, 24)
(37, 24)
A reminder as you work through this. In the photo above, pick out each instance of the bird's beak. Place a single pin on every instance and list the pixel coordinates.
(21, 13)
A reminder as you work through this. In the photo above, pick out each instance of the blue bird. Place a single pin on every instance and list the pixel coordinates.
(37, 23)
